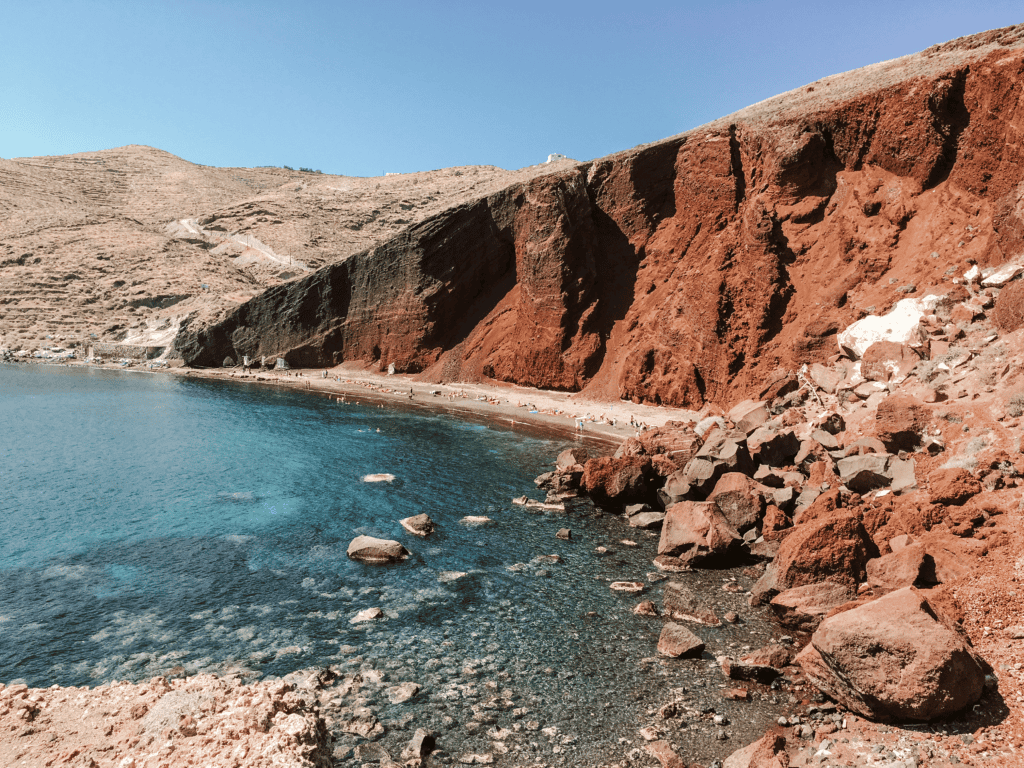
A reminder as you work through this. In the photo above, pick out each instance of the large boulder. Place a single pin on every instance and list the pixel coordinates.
(615, 482)
(802, 609)
(370, 550)
(865, 473)
(773, 448)
(768, 752)
(952, 486)
(834, 548)
(899, 422)
(419, 525)
(696, 532)
(740, 499)
(571, 457)
(677, 641)
(894, 659)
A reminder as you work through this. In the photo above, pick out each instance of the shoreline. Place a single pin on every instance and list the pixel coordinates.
(542, 412)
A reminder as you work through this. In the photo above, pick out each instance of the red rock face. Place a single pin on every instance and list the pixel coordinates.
(692, 269)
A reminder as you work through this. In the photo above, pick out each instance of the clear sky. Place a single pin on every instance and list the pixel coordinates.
(361, 88)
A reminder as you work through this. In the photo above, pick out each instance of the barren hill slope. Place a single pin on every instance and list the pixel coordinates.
(123, 241)
(693, 269)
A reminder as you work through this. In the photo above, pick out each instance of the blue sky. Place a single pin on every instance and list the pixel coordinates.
(365, 88)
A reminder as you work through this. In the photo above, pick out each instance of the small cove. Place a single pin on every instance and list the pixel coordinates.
(154, 522)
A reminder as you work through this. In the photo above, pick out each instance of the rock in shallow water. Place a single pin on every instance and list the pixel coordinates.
(418, 525)
(370, 550)
(677, 641)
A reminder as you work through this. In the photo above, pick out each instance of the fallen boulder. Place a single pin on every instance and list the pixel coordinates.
(571, 457)
(835, 548)
(740, 499)
(952, 486)
(614, 483)
(696, 532)
(893, 659)
(767, 752)
(900, 421)
(802, 609)
(865, 473)
(370, 550)
(677, 641)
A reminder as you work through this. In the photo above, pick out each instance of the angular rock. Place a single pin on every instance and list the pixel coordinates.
(647, 520)
(835, 548)
(900, 569)
(697, 533)
(401, 693)
(418, 525)
(740, 499)
(774, 655)
(371, 550)
(862, 474)
(662, 752)
(677, 641)
(748, 672)
(952, 486)
(776, 449)
(680, 603)
(886, 361)
(893, 659)
(904, 475)
(571, 457)
(614, 483)
(767, 752)
(900, 421)
(368, 614)
(748, 416)
(420, 745)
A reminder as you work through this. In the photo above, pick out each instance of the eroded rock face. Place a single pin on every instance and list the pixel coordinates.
(893, 659)
(582, 279)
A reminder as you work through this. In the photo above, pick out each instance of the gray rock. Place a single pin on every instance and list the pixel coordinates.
(647, 520)
(371, 550)
(865, 473)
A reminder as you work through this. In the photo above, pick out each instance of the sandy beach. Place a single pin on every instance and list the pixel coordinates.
(507, 405)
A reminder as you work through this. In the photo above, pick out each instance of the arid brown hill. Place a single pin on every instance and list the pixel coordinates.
(124, 243)
(690, 269)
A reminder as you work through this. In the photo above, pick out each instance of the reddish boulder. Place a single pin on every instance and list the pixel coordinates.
(905, 568)
(831, 549)
(677, 641)
(802, 609)
(740, 499)
(952, 486)
(767, 752)
(696, 532)
(1009, 310)
(893, 659)
(899, 422)
(613, 483)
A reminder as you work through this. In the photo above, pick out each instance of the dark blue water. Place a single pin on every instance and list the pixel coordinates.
(153, 522)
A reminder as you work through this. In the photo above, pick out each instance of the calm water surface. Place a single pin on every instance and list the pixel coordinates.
(150, 522)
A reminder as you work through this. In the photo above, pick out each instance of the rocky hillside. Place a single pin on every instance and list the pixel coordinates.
(693, 269)
(120, 245)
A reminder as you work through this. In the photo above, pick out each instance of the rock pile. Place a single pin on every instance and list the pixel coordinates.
(857, 486)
